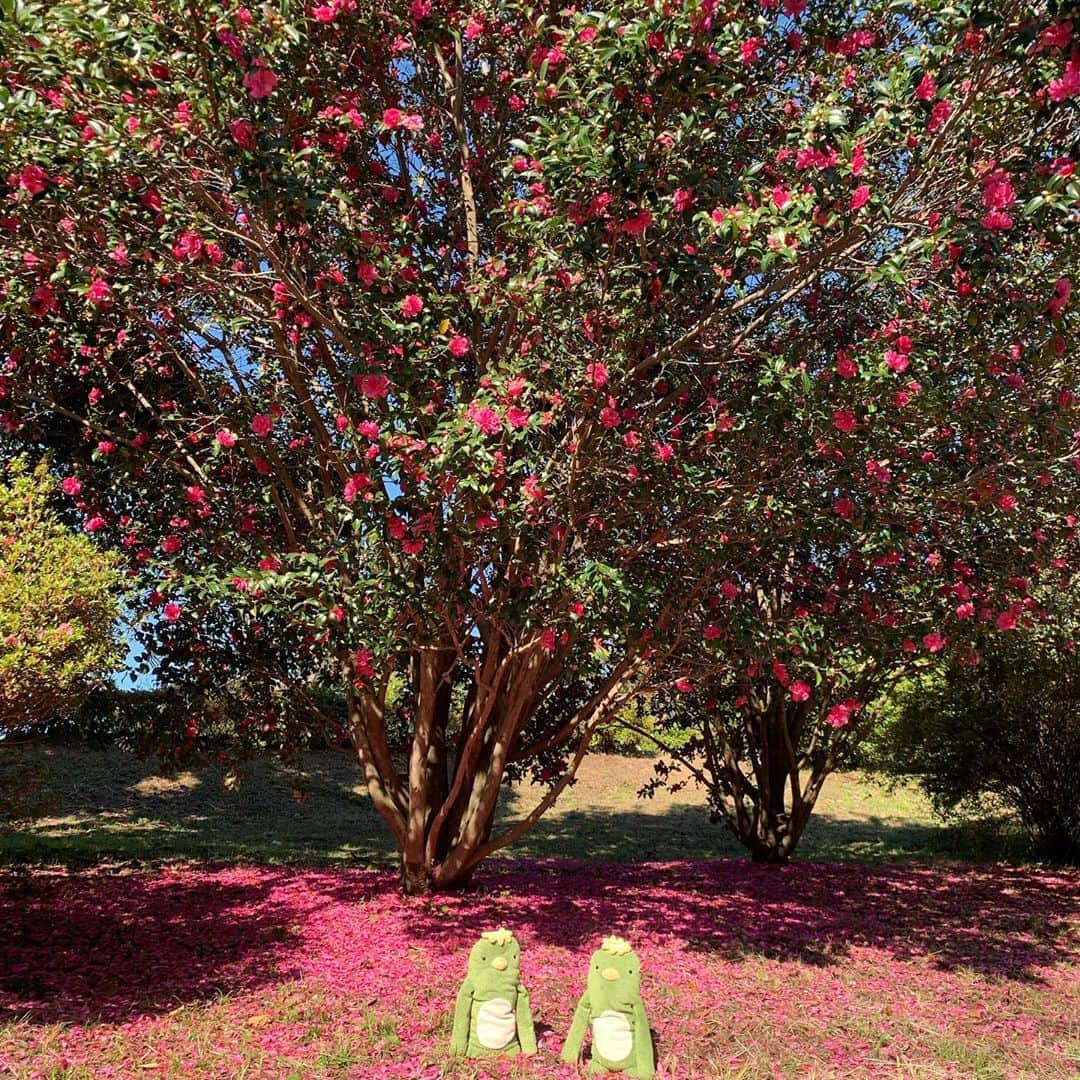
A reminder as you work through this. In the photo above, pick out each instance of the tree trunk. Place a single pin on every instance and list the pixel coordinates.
(768, 810)
(442, 811)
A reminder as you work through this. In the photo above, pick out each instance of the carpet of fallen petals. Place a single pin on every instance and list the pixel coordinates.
(806, 970)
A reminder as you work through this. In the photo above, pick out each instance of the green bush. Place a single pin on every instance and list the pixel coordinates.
(617, 737)
(58, 604)
(1003, 732)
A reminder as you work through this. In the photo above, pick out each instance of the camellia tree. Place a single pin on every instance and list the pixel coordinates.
(58, 605)
(495, 348)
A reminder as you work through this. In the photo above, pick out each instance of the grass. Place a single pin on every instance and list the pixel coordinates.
(107, 805)
(877, 954)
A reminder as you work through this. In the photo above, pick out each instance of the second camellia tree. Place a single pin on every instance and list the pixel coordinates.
(539, 360)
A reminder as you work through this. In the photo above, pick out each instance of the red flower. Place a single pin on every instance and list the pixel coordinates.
(243, 133)
(934, 642)
(226, 438)
(261, 425)
(260, 82)
(43, 301)
(750, 48)
(172, 611)
(636, 225)
(861, 197)
(459, 345)
(411, 306)
(844, 419)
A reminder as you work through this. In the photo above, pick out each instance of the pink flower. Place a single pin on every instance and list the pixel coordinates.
(374, 386)
(548, 639)
(99, 292)
(896, 361)
(844, 420)
(933, 642)
(33, 179)
(781, 196)
(517, 417)
(172, 544)
(226, 438)
(243, 133)
(860, 197)
(858, 159)
(927, 88)
(485, 418)
(71, 486)
(1068, 85)
(998, 192)
(799, 691)
(172, 611)
(411, 306)
(1006, 621)
(260, 82)
(998, 220)
(261, 425)
(838, 716)
(459, 345)
(94, 523)
(683, 199)
(357, 484)
(597, 373)
(531, 489)
(940, 113)
(846, 368)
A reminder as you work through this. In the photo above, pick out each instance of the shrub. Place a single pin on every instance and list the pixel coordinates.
(58, 605)
(1005, 730)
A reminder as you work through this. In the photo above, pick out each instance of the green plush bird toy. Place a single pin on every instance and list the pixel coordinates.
(492, 1015)
(621, 1041)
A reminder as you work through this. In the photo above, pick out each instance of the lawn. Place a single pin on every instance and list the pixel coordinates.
(106, 804)
(281, 948)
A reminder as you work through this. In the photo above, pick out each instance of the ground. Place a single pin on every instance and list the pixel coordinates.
(294, 956)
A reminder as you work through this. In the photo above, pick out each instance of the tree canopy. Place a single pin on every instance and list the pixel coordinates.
(548, 357)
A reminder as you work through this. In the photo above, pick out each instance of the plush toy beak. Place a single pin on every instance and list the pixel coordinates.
(610, 974)
(499, 963)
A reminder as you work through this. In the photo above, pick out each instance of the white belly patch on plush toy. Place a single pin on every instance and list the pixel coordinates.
(495, 1024)
(611, 1035)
